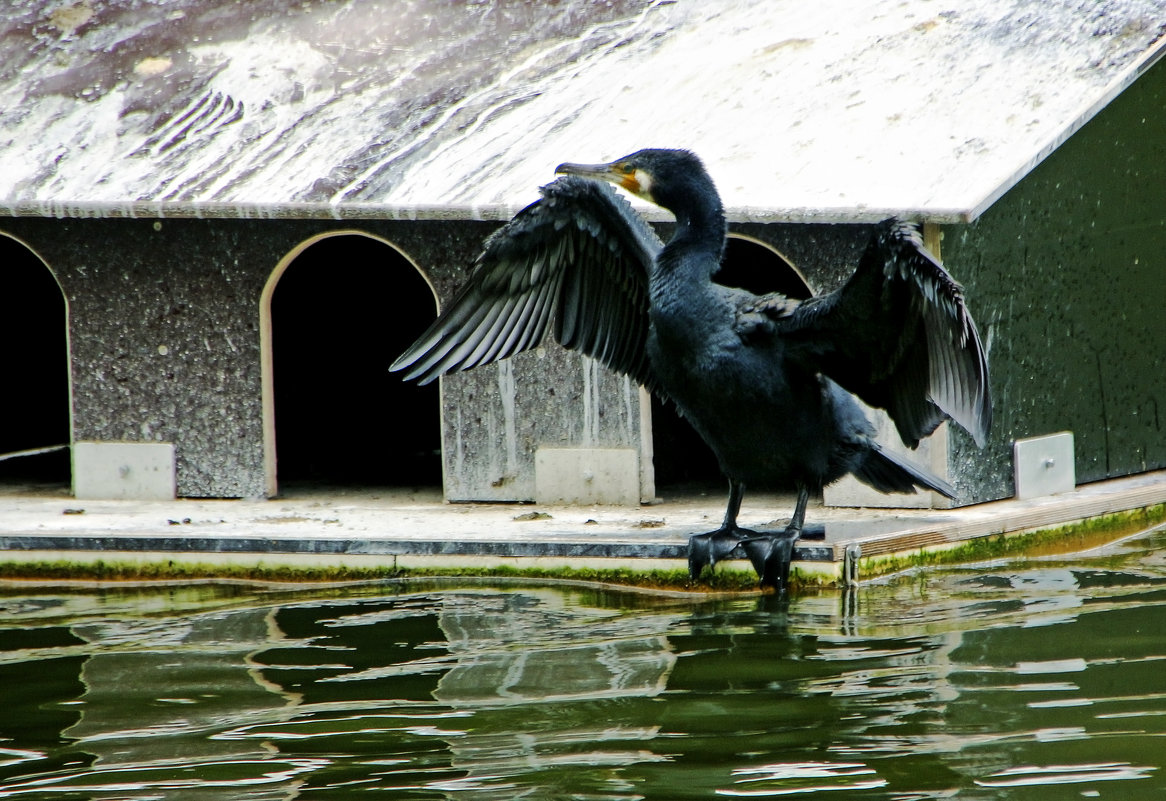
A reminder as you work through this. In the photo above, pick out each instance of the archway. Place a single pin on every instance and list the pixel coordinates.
(683, 462)
(35, 428)
(335, 313)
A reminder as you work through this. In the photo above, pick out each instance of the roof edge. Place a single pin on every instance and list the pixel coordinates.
(348, 212)
(162, 210)
(1126, 79)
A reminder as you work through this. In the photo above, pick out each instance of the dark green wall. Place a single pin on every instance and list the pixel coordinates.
(1066, 275)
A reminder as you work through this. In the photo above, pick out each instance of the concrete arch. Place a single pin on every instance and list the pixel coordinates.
(785, 277)
(36, 444)
(267, 333)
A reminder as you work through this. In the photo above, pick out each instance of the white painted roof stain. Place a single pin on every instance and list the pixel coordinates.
(802, 111)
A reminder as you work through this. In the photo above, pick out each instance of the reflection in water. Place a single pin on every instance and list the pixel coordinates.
(575, 661)
(1026, 680)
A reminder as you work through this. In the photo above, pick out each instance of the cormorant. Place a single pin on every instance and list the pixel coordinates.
(767, 381)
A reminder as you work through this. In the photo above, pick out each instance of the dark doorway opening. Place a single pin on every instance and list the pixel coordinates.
(35, 384)
(340, 313)
(683, 462)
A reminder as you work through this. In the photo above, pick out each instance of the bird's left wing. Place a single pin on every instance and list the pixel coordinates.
(899, 335)
(579, 256)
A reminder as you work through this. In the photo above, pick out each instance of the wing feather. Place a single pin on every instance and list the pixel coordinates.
(527, 336)
(491, 339)
(899, 335)
(579, 258)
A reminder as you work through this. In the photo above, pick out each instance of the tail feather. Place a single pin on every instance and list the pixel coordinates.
(888, 472)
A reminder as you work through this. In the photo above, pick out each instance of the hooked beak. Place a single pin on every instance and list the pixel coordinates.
(614, 172)
(602, 171)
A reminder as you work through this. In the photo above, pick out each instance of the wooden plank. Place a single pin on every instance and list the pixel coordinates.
(1011, 516)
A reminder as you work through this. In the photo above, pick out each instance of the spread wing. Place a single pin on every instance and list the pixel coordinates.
(578, 257)
(898, 334)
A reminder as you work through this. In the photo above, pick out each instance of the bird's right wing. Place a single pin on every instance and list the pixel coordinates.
(899, 335)
(579, 256)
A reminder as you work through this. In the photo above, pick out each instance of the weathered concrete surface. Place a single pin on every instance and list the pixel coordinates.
(462, 108)
(165, 338)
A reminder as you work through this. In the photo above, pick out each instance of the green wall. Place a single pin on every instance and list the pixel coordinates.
(1066, 275)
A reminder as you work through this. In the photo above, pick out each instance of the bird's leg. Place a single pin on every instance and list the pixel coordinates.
(705, 550)
(772, 553)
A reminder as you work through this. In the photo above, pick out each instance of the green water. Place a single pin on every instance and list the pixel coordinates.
(1041, 679)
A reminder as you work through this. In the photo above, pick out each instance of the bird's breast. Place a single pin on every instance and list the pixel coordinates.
(765, 421)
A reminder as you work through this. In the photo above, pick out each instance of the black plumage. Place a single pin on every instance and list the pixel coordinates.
(769, 382)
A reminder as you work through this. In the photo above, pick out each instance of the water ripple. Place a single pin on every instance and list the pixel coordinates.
(935, 687)
(802, 777)
(1065, 774)
(168, 775)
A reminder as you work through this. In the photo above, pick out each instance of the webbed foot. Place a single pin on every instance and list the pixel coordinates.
(771, 555)
(705, 550)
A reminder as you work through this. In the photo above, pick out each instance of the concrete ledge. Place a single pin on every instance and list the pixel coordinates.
(403, 529)
(386, 547)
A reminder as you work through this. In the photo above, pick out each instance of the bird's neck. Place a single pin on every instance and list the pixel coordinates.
(700, 229)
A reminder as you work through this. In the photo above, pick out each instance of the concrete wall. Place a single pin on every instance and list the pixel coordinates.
(163, 337)
(165, 346)
(164, 328)
(1067, 276)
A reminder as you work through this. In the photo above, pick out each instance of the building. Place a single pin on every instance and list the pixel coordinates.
(219, 225)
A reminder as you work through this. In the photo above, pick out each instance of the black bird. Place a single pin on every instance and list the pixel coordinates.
(767, 381)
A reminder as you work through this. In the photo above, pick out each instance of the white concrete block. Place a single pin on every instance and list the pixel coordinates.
(587, 476)
(142, 471)
(1044, 465)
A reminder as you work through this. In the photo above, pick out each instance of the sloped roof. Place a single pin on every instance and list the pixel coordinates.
(834, 110)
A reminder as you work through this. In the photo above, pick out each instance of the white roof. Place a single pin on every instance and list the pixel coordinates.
(831, 110)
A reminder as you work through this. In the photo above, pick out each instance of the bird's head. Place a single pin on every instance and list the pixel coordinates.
(655, 175)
